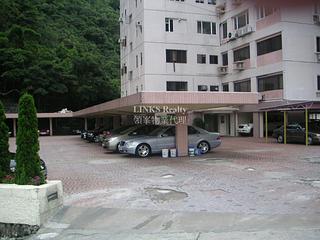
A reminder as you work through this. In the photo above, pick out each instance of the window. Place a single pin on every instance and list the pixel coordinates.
(225, 59)
(130, 18)
(241, 20)
(177, 0)
(269, 45)
(241, 54)
(264, 11)
(176, 56)
(318, 44)
(131, 46)
(213, 59)
(201, 59)
(199, 1)
(137, 61)
(141, 59)
(318, 83)
(192, 131)
(206, 27)
(177, 86)
(213, 2)
(268, 83)
(169, 25)
(130, 75)
(171, 132)
(242, 86)
(317, 8)
(224, 30)
(214, 88)
(202, 88)
(225, 87)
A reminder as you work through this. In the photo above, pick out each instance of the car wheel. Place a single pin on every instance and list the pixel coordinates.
(204, 147)
(280, 139)
(118, 150)
(143, 150)
(310, 140)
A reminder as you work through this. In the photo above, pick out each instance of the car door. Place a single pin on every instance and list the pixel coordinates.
(193, 136)
(166, 140)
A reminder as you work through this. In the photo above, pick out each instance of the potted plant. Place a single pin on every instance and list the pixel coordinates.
(32, 199)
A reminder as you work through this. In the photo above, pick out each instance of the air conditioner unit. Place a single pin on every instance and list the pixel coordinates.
(316, 19)
(120, 20)
(139, 24)
(236, 2)
(239, 65)
(318, 56)
(232, 36)
(221, 9)
(223, 70)
(123, 42)
(244, 31)
(203, 88)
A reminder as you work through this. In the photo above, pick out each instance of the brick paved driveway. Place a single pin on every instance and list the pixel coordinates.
(245, 176)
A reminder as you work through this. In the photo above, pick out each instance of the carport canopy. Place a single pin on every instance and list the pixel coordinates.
(189, 100)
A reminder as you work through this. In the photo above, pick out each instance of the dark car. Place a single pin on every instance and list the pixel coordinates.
(296, 134)
(13, 165)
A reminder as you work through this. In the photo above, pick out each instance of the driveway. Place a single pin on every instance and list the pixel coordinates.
(245, 189)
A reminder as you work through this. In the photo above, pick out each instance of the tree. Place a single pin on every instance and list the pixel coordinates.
(27, 157)
(4, 143)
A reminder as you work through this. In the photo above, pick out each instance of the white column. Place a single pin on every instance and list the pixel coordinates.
(86, 124)
(14, 127)
(51, 129)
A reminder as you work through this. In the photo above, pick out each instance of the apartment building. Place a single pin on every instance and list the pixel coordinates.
(231, 46)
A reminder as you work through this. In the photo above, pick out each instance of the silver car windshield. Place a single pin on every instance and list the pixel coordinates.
(157, 131)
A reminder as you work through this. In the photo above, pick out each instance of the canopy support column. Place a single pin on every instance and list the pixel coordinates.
(307, 126)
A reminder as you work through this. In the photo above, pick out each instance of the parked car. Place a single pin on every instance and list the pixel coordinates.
(112, 143)
(44, 132)
(114, 132)
(93, 136)
(13, 165)
(296, 134)
(245, 129)
(164, 138)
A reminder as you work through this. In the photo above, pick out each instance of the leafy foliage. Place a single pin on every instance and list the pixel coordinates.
(4, 144)
(27, 157)
(64, 52)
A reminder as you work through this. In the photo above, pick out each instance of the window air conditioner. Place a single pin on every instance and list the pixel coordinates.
(139, 24)
(120, 20)
(244, 31)
(239, 65)
(223, 70)
(318, 56)
(232, 36)
(316, 19)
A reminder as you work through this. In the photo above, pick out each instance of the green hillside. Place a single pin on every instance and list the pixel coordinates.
(64, 52)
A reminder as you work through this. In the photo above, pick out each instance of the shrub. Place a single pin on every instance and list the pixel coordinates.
(4, 144)
(27, 157)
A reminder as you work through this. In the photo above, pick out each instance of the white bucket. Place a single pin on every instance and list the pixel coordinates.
(165, 153)
(173, 153)
(191, 152)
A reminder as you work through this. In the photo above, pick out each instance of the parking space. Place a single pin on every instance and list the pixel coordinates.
(243, 176)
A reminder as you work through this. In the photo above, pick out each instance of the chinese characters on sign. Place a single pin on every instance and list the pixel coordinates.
(147, 115)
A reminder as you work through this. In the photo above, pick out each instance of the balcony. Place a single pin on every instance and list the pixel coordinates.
(269, 58)
(269, 20)
(272, 95)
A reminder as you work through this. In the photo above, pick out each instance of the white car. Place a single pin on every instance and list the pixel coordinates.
(245, 129)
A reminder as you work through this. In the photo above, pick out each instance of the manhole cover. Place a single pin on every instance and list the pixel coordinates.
(164, 195)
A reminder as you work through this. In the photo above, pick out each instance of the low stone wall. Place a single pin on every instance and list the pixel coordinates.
(25, 208)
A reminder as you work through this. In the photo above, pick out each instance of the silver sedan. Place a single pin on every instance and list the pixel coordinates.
(164, 138)
(112, 143)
